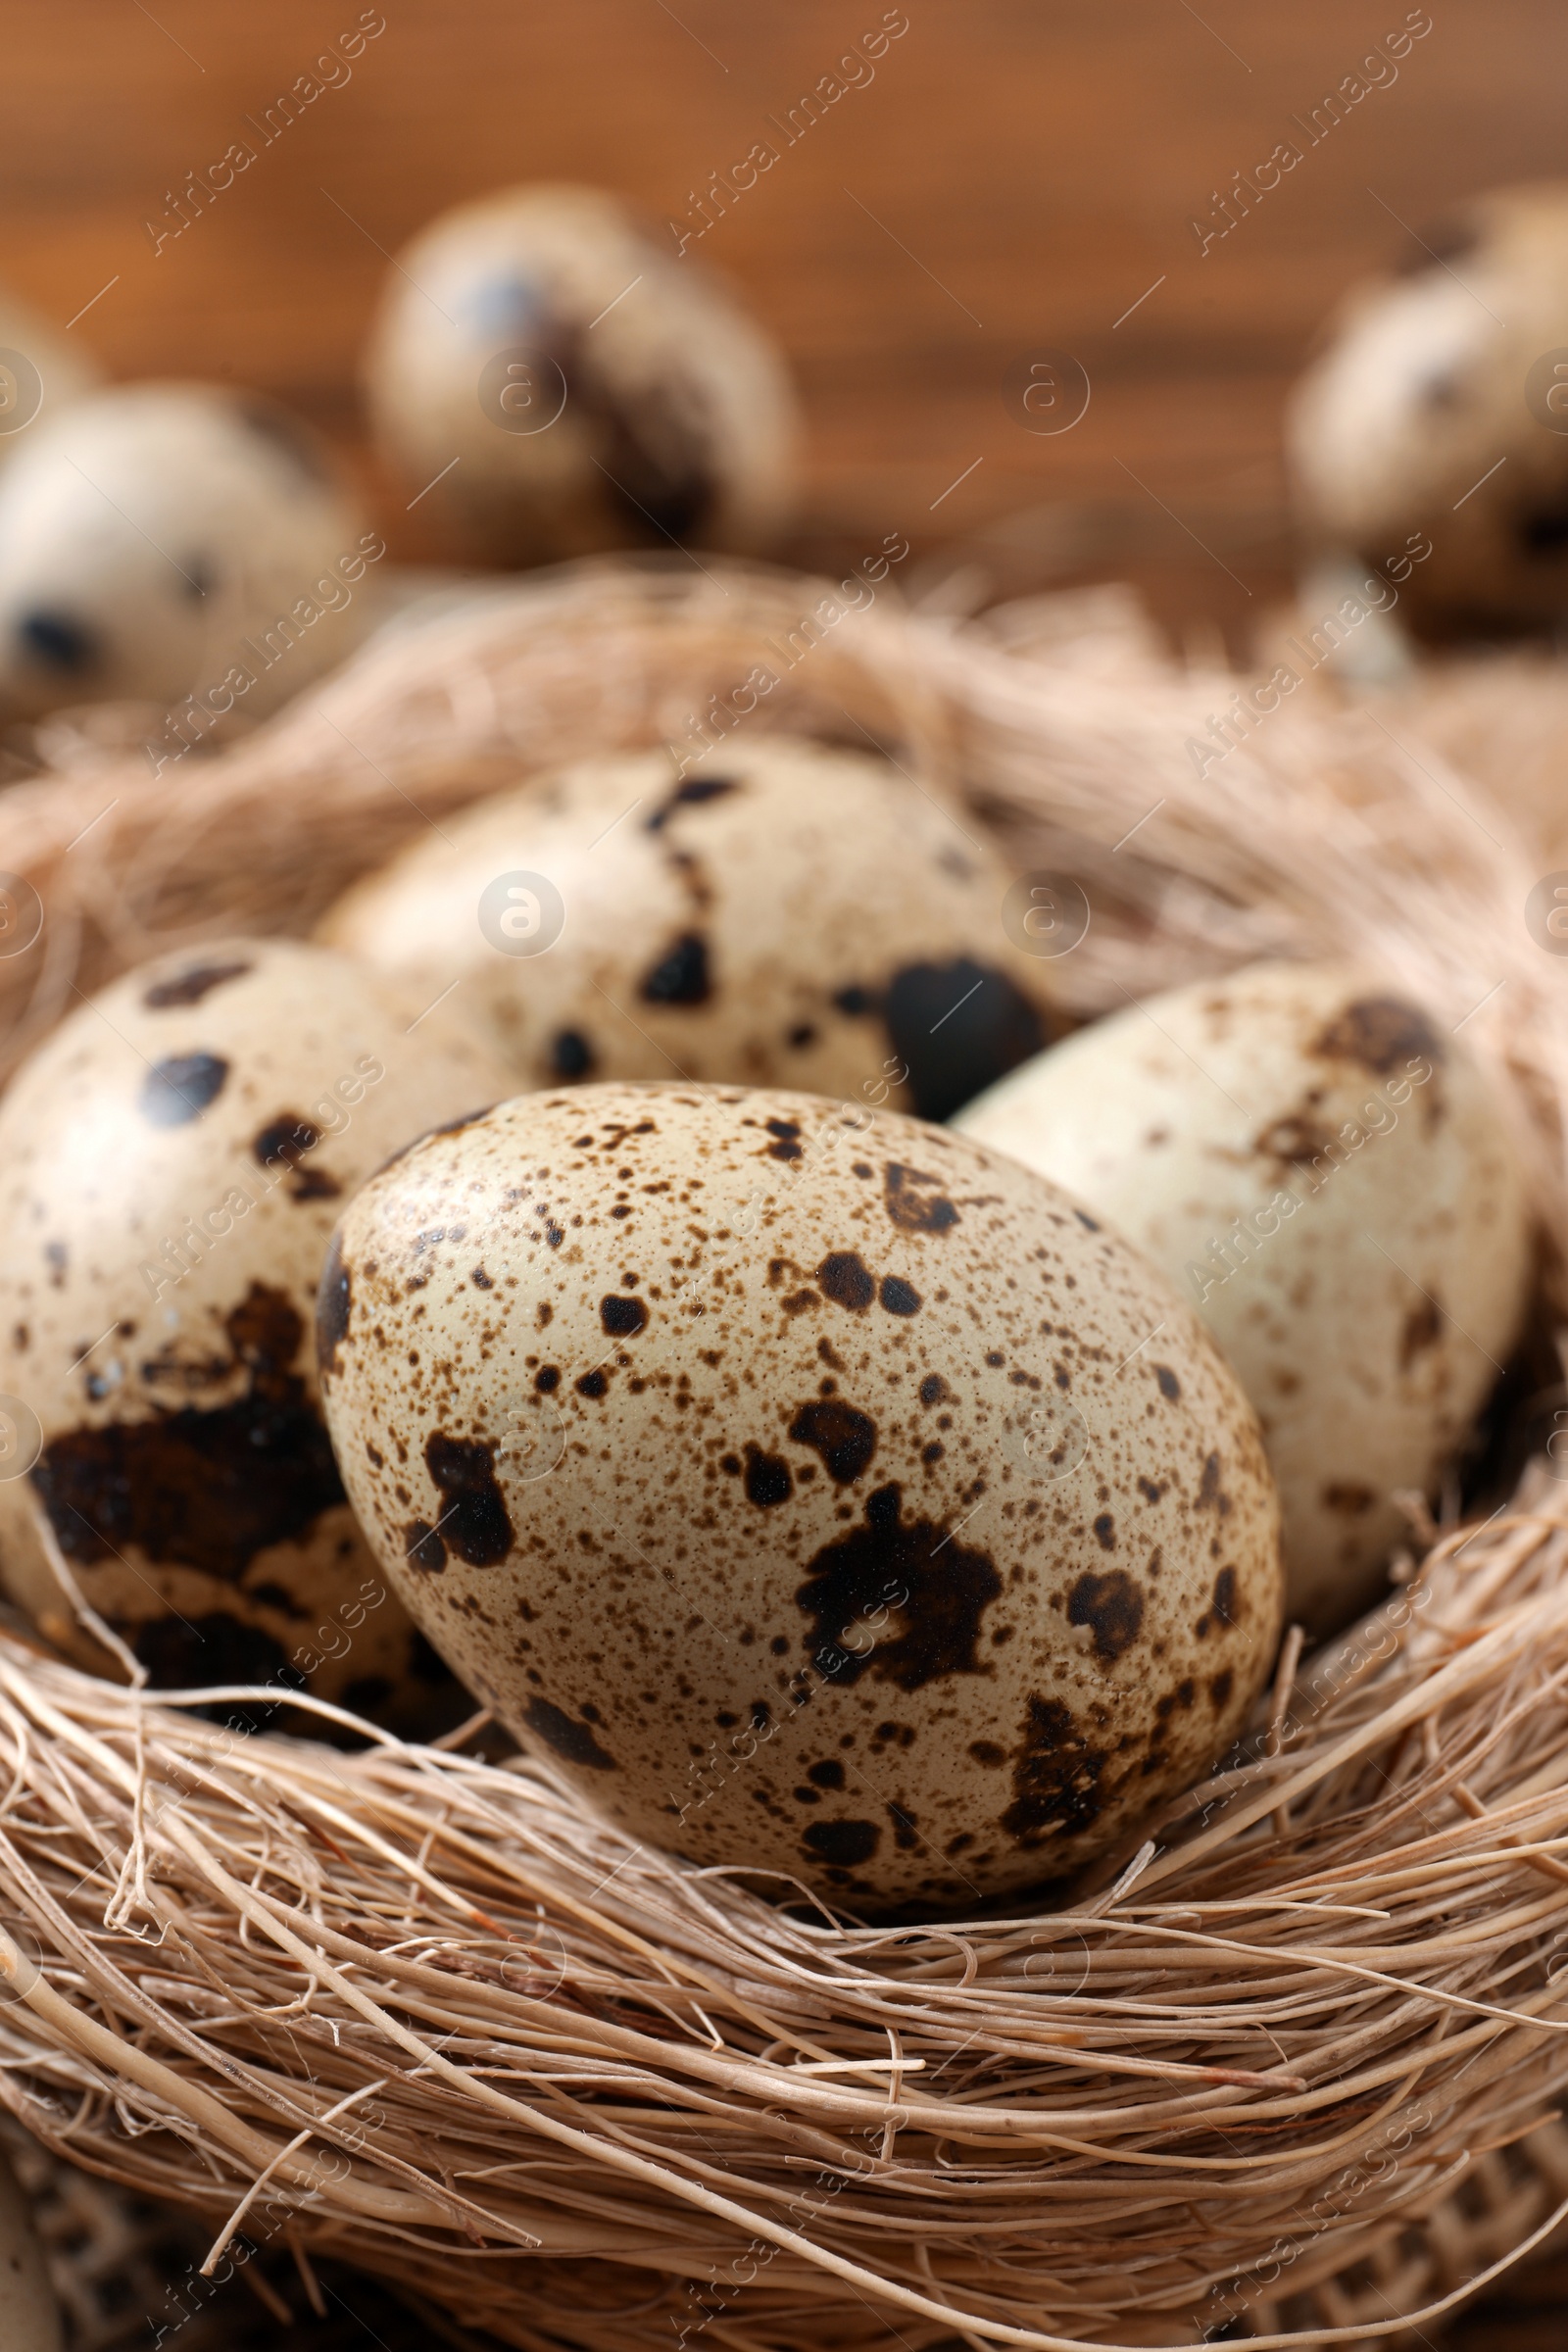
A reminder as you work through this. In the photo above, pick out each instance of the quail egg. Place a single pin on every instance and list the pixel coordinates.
(823, 1492)
(172, 1159)
(783, 914)
(1431, 435)
(41, 371)
(1323, 1172)
(557, 382)
(164, 541)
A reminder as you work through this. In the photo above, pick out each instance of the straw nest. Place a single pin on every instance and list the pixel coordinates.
(1287, 2070)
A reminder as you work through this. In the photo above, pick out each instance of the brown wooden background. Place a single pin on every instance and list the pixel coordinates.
(1033, 166)
(1041, 158)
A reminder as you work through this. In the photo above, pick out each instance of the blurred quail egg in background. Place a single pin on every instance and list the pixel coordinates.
(1324, 1174)
(559, 383)
(1430, 437)
(164, 540)
(40, 371)
(172, 1159)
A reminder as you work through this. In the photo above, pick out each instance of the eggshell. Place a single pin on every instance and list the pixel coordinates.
(210, 1112)
(555, 381)
(1323, 1172)
(1431, 433)
(163, 540)
(819, 1489)
(41, 371)
(784, 915)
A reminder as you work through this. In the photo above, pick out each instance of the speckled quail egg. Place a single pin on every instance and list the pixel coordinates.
(41, 371)
(1430, 436)
(158, 541)
(32, 2312)
(172, 1159)
(1325, 1175)
(821, 1491)
(556, 382)
(784, 914)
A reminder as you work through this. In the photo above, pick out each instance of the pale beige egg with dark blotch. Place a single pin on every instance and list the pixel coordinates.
(1326, 1174)
(554, 381)
(821, 1492)
(173, 1160)
(166, 540)
(44, 370)
(1430, 433)
(784, 915)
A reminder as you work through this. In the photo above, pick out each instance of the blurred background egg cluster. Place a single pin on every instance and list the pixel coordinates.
(345, 314)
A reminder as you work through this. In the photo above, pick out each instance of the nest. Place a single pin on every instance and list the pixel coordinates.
(1289, 2068)
(124, 2266)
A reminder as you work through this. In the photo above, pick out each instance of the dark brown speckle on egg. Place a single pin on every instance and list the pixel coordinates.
(193, 983)
(180, 1087)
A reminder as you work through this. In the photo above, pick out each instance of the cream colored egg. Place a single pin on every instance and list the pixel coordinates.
(557, 382)
(785, 914)
(1323, 1173)
(158, 541)
(31, 2312)
(819, 1490)
(173, 1160)
(1431, 434)
(42, 370)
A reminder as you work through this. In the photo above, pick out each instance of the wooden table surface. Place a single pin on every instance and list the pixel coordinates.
(1012, 175)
